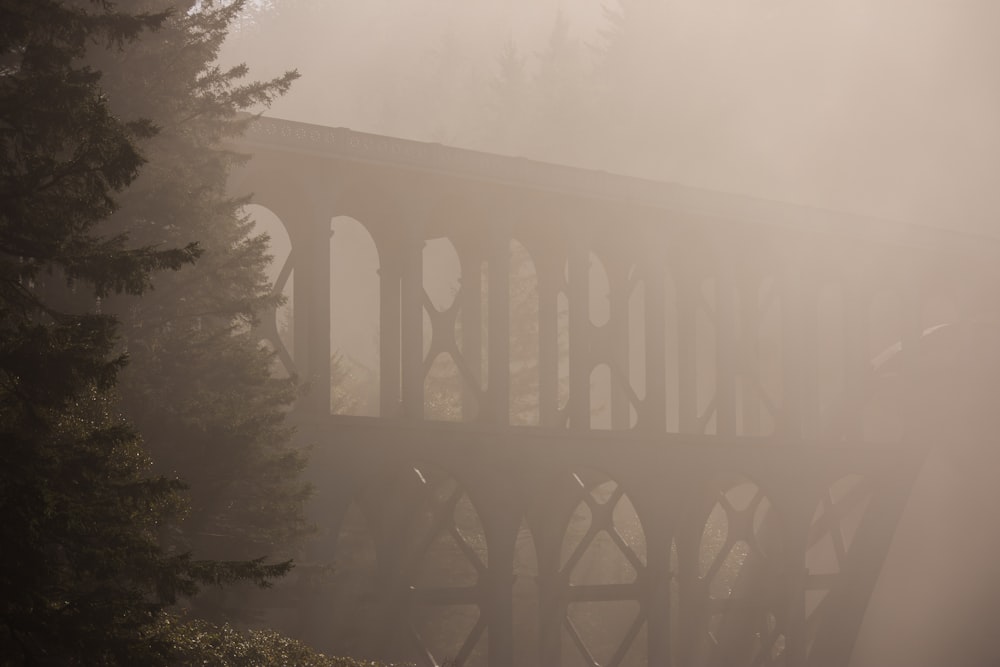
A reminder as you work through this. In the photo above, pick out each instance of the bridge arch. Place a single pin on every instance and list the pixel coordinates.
(276, 326)
(599, 576)
(355, 297)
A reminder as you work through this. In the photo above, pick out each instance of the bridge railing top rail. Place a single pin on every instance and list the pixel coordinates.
(340, 144)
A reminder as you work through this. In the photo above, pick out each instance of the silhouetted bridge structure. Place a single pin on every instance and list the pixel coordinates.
(680, 426)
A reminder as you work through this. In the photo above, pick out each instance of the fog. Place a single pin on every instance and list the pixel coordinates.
(883, 108)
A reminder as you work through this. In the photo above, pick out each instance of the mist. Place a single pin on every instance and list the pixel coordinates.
(886, 110)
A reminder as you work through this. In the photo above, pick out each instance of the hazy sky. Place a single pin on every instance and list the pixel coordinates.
(885, 107)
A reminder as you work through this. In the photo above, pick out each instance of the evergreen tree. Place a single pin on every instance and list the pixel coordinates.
(83, 576)
(562, 103)
(632, 108)
(540, 104)
(199, 386)
(509, 100)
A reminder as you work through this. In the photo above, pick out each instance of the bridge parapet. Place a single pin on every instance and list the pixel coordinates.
(700, 411)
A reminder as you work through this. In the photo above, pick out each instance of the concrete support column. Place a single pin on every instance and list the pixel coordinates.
(412, 323)
(790, 426)
(653, 416)
(858, 360)
(749, 366)
(688, 288)
(312, 312)
(725, 344)
(580, 364)
(498, 337)
(389, 333)
(548, 342)
(471, 294)
(618, 333)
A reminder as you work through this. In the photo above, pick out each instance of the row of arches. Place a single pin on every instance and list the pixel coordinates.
(421, 574)
(736, 343)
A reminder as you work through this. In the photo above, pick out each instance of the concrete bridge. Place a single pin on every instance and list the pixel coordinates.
(649, 425)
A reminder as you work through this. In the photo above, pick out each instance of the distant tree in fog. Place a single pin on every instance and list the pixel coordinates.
(539, 103)
(353, 387)
(508, 102)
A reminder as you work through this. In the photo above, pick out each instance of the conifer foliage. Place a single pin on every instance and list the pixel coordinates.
(198, 386)
(87, 567)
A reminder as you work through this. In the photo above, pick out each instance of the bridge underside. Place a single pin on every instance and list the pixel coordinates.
(697, 459)
(523, 546)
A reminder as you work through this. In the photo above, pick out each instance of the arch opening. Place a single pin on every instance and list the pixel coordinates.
(524, 400)
(354, 319)
(736, 577)
(276, 327)
(603, 550)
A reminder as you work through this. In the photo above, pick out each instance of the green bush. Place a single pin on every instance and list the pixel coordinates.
(201, 643)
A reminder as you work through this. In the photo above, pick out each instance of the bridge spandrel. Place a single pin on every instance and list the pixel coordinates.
(607, 421)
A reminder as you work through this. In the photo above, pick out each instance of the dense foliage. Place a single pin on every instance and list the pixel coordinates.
(93, 550)
(200, 643)
(199, 386)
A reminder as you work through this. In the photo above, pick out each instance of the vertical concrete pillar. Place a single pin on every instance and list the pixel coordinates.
(857, 358)
(653, 416)
(790, 426)
(618, 331)
(471, 293)
(389, 332)
(580, 364)
(412, 322)
(499, 325)
(748, 360)
(548, 272)
(688, 288)
(725, 343)
(312, 311)
(808, 349)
